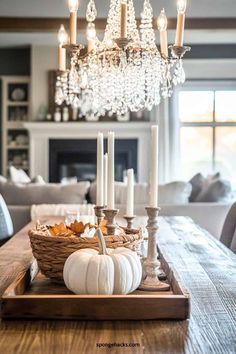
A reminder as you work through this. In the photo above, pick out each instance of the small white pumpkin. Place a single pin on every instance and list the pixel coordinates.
(109, 271)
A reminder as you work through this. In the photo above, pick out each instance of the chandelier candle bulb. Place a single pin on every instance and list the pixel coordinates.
(73, 8)
(130, 193)
(62, 39)
(100, 153)
(162, 26)
(91, 35)
(111, 167)
(154, 168)
(105, 179)
(123, 19)
(181, 8)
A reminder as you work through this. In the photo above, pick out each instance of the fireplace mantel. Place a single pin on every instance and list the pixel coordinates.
(41, 132)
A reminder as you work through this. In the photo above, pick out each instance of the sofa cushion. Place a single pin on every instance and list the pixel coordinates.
(171, 193)
(214, 191)
(28, 194)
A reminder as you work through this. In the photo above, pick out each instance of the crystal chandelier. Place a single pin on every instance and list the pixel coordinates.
(125, 71)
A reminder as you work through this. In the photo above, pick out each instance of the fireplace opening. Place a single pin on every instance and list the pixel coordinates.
(77, 158)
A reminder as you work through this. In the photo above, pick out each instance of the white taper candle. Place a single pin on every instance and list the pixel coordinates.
(100, 152)
(105, 179)
(130, 193)
(154, 168)
(111, 170)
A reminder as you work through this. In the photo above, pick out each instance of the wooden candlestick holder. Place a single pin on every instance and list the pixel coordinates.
(110, 215)
(130, 220)
(151, 264)
(99, 213)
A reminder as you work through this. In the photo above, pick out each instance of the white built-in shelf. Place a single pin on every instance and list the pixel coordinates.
(18, 147)
(15, 124)
(14, 128)
(17, 103)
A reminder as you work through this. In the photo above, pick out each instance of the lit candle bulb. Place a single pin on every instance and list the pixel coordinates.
(162, 26)
(123, 18)
(181, 8)
(91, 35)
(62, 39)
(73, 8)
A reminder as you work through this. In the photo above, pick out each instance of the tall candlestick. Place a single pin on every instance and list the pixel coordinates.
(130, 193)
(111, 167)
(105, 179)
(123, 19)
(99, 199)
(154, 168)
(62, 39)
(162, 26)
(73, 7)
(181, 8)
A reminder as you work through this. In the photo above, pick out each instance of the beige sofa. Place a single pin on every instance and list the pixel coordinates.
(173, 202)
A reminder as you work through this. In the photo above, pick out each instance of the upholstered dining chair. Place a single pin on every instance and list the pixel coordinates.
(6, 226)
(228, 234)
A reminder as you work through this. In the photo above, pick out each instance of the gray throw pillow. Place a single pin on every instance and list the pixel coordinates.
(197, 183)
(216, 191)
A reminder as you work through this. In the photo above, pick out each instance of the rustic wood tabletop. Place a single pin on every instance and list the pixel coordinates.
(206, 268)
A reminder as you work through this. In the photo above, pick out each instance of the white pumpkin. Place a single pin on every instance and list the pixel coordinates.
(109, 271)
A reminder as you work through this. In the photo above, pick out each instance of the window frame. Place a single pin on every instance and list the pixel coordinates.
(204, 85)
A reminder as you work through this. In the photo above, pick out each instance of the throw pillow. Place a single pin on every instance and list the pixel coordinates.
(38, 179)
(2, 179)
(197, 182)
(18, 175)
(174, 193)
(216, 191)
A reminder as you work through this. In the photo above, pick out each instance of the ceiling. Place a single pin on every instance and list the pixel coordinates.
(58, 8)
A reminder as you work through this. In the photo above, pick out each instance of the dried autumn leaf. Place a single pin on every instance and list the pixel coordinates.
(77, 227)
(103, 226)
(60, 229)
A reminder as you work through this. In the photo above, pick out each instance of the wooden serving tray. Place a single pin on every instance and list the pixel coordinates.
(32, 295)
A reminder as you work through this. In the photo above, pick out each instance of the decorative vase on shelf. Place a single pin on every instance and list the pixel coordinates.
(74, 113)
(65, 114)
(57, 115)
(123, 117)
(92, 118)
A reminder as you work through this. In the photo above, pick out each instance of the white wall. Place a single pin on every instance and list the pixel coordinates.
(43, 59)
(210, 68)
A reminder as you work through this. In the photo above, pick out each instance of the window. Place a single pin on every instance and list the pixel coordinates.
(207, 116)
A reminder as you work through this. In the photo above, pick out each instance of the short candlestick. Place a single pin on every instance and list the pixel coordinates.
(151, 264)
(130, 220)
(110, 215)
(99, 213)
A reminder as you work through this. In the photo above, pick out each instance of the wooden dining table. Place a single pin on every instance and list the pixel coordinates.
(205, 267)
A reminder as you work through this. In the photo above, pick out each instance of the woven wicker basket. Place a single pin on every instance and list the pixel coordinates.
(51, 252)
